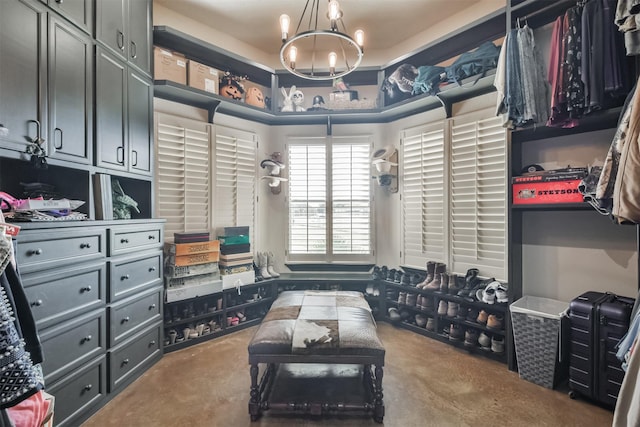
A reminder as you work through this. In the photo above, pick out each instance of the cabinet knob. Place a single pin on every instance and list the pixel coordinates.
(86, 339)
(152, 237)
(125, 361)
(85, 245)
(35, 252)
(125, 277)
(124, 240)
(125, 319)
(86, 289)
(88, 387)
(152, 343)
(37, 303)
(152, 269)
(152, 306)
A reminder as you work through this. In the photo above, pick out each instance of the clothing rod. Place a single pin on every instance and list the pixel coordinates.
(553, 5)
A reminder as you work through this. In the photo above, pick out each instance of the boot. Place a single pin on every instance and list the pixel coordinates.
(256, 270)
(431, 267)
(439, 269)
(454, 286)
(270, 263)
(262, 263)
(470, 280)
(444, 283)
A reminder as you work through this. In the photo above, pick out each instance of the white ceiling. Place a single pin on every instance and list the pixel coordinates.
(386, 23)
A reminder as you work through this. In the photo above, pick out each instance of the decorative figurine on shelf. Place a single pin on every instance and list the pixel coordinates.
(293, 100)
(274, 167)
(318, 104)
(254, 97)
(231, 86)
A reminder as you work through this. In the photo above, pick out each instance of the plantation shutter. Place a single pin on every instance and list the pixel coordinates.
(235, 173)
(183, 181)
(479, 195)
(424, 201)
(307, 196)
(351, 196)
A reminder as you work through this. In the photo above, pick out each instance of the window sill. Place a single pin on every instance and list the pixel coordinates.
(328, 267)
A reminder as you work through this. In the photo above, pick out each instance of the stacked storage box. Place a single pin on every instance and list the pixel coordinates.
(236, 258)
(191, 266)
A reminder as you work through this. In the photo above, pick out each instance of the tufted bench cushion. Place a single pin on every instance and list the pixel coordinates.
(318, 323)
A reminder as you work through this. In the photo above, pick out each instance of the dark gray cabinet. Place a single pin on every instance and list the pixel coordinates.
(120, 26)
(70, 88)
(22, 73)
(80, 12)
(124, 116)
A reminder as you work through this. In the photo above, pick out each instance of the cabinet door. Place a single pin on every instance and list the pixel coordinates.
(80, 12)
(22, 72)
(110, 24)
(70, 93)
(140, 95)
(111, 111)
(140, 33)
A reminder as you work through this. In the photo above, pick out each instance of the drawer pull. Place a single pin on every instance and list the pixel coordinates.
(125, 277)
(125, 319)
(152, 306)
(124, 240)
(36, 303)
(85, 245)
(86, 339)
(86, 289)
(35, 252)
(125, 361)
(152, 269)
(152, 237)
(88, 387)
(152, 343)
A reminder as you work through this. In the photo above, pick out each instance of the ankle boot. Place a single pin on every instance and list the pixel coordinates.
(470, 281)
(431, 268)
(270, 264)
(444, 283)
(454, 286)
(434, 285)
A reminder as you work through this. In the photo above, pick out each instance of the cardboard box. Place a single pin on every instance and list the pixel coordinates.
(171, 271)
(191, 248)
(192, 259)
(186, 292)
(547, 192)
(237, 280)
(203, 77)
(168, 65)
(185, 282)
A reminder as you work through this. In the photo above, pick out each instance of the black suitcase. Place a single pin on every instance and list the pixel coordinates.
(598, 321)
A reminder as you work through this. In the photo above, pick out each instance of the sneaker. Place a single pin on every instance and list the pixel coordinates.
(455, 333)
(501, 294)
(421, 320)
(485, 341)
(431, 324)
(482, 317)
(497, 345)
(487, 295)
(452, 309)
(394, 315)
(442, 308)
(471, 337)
(472, 315)
(495, 321)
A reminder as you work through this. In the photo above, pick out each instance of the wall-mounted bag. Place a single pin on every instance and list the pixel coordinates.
(474, 63)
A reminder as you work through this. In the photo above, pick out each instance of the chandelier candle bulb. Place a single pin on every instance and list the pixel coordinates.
(359, 37)
(284, 26)
(293, 55)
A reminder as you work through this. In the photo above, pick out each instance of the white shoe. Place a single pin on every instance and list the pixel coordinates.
(369, 289)
(270, 263)
(376, 291)
(501, 294)
(262, 263)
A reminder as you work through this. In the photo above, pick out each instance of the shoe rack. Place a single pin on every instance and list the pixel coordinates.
(450, 326)
(211, 316)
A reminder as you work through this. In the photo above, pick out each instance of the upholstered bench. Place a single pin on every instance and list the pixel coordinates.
(333, 330)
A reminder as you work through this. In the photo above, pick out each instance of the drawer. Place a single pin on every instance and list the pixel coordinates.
(133, 274)
(134, 314)
(59, 295)
(43, 249)
(68, 345)
(134, 356)
(123, 240)
(75, 394)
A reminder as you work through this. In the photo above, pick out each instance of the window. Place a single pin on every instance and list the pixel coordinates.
(235, 178)
(424, 202)
(329, 201)
(454, 193)
(182, 176)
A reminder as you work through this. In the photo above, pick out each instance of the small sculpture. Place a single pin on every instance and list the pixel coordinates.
(254, 97)
(293, 100)
(231, 87)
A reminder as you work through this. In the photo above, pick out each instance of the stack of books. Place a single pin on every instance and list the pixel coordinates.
(236, 258)
(191, 266)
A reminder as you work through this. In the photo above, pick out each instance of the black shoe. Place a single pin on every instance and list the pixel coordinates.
(470, 281)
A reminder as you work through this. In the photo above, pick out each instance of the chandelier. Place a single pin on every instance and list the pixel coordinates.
(335, 50)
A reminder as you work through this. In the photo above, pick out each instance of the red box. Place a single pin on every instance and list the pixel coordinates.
(530, 193)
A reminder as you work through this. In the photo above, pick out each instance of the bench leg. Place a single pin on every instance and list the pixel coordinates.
(378, 410)
(254, 401)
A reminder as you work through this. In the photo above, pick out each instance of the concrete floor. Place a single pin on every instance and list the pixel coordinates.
(426, 383)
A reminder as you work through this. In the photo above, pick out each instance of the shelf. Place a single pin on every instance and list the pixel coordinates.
(249, 304)
(553, 207)
(193, 319)
(212, 335)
